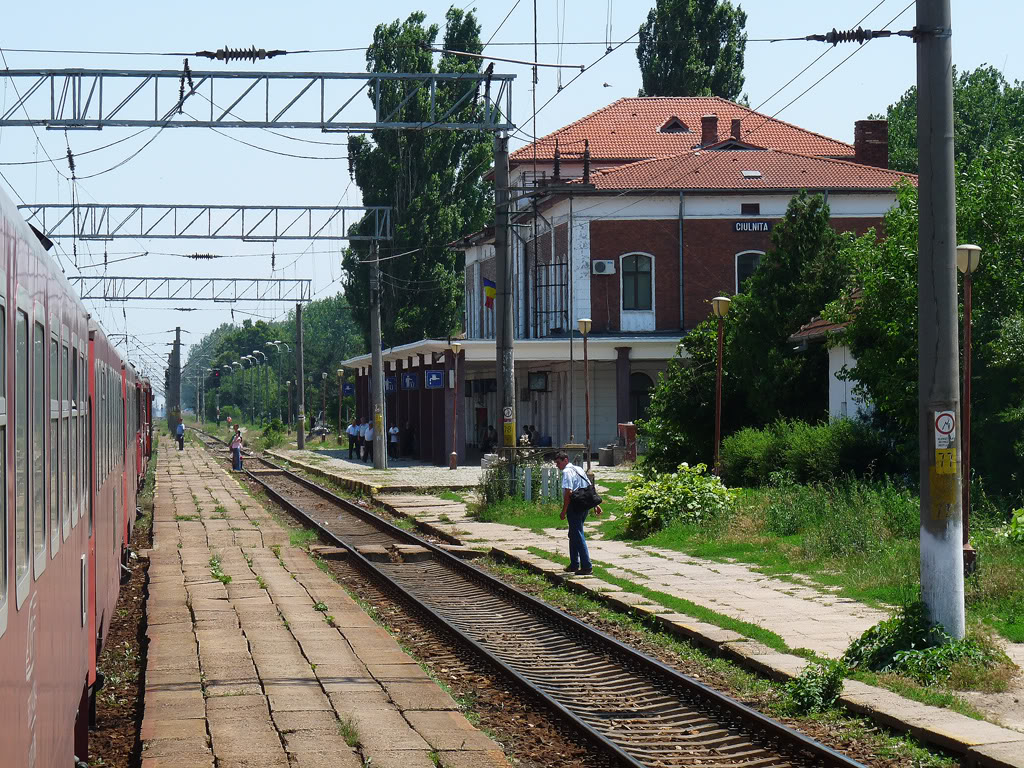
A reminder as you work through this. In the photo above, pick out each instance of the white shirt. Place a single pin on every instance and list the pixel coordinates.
(352, 429)
(394, 434)
(362, 429)
(369, 433)
(573, 478)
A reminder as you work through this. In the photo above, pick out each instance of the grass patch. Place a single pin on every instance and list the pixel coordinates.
(452, 496)
(857, 538)
(301, 538)
(349, 732)
(678, 604)
(186, 518)
(523, 514)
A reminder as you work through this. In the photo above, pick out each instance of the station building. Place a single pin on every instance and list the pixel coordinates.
(634, 216)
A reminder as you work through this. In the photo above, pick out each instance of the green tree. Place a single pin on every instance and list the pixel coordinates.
(693, 48)
(882, 334)
(987, 111)
(763, 379)
(434, 180)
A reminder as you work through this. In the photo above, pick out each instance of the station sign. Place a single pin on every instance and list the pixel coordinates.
(348, 389)
(752, 226)
(434, 379)
(410, 380)
(390, 384)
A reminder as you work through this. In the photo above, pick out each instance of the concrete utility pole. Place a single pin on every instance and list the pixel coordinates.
(174, 379)
(504, 276)
(942, 569)
(300, 380)
(380, 455)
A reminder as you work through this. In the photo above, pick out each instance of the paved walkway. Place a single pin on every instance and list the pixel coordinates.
(243, 670)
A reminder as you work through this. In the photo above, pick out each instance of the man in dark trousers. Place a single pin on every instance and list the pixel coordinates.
(353, 435)
(573, 478)
(179, 434)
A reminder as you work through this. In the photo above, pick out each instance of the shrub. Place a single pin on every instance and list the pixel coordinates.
(1015, 532)
(816, 688)
(810, 453)
(909, 644)
(272, 435)
(233, 411)
(688, 495)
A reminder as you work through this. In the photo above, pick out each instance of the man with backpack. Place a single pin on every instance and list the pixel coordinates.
(578, 497)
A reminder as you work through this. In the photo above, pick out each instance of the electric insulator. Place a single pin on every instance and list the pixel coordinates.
(240, 54)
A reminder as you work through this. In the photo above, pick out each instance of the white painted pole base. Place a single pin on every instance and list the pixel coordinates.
(942, 577)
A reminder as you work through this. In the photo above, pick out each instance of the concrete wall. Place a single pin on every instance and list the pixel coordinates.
(842, 402)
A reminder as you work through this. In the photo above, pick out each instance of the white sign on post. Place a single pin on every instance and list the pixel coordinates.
(945, 429)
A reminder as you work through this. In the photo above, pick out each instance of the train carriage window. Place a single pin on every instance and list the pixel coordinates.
(75, 446)
(65, 439)
(84, 433)
(38, 447)
(21, 449)
(52, 452)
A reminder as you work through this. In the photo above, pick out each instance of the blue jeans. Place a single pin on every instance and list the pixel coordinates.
(236, 459)
(579, 556)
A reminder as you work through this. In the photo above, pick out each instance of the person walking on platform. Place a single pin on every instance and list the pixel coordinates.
(578, 498)
(236, 450)
(179, 434)
(363, 426)
(353, 434)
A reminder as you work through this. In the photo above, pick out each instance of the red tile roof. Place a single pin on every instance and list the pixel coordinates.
(736, 169)
(629, 129)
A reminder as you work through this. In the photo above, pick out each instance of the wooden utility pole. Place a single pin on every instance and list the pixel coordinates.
(942, 569)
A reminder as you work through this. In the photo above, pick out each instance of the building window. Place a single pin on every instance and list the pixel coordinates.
(746, 265)
(636, 281)
(640, 386)
(750, 209)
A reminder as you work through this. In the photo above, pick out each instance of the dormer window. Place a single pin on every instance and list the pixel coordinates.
(674, 125)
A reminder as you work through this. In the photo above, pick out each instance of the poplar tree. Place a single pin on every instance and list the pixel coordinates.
(693, 48)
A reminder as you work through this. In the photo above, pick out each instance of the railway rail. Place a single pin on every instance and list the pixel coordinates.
(632, 708)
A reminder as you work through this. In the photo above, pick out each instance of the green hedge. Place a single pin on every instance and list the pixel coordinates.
(807, 452)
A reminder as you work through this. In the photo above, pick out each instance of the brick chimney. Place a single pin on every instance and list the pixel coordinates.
(709, 130)
(734, 128)
(871, 142)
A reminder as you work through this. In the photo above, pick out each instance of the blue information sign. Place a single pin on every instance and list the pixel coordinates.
(435, 380)
(410, 381)
(390, 383)
(348, 389)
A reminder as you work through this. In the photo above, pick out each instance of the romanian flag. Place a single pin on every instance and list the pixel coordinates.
(490, 291)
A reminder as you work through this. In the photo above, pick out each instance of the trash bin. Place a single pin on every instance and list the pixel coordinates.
(606, 457)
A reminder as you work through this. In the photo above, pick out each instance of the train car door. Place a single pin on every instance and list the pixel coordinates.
(90, 450)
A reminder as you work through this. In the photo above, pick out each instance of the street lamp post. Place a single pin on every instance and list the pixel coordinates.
(453, 460)
(323, 410)
(252, 385)
(967, 259)
(585, 325)
(720, 306)
(288, 387)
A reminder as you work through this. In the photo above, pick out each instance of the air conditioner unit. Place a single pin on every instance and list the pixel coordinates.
(603, 266)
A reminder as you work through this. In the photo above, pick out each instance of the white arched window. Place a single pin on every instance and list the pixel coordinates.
(746, 265)
(637, 273)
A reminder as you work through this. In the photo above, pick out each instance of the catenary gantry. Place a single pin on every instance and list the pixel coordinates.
(66, 99)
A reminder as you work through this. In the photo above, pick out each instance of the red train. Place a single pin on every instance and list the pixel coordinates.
(75, 436)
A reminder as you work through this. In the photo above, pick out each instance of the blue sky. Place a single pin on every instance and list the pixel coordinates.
(199, 166)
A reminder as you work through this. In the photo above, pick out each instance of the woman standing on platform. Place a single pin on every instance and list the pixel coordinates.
(236, 450)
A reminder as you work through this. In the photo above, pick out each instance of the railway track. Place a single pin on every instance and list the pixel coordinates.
(635, 710)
